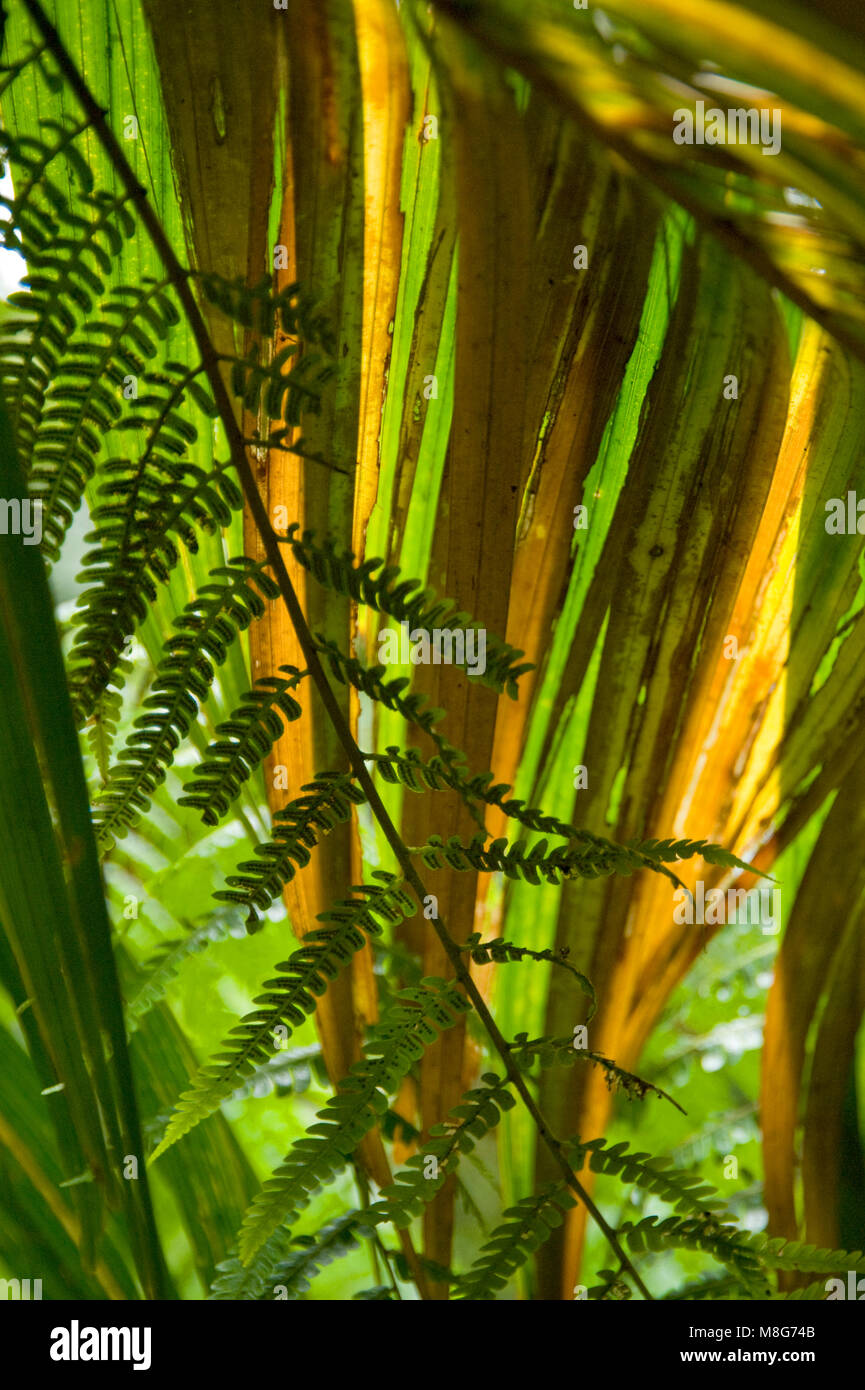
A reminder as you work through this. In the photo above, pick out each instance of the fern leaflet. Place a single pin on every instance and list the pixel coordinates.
(723, 1242)
(685, 1192)
(525, 1228)
(407, 601)
(424, 1173)
(551, 1052)
(206, 629)
(282, 1273)
(246, 738)
(391, 1047)
(289, 998)
(498, 951)
(297, 828)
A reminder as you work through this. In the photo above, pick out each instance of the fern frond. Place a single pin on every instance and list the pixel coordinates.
(408, 768)
(69, 255)
(391, 1048)
(206, 629)
(449, 770)
(407, 601)
(525, 1228)
(549, 1052)
(101, 727)
(246, 738)
(517, 860)
(251, 1283)
(297, 829)
(478, 1112)
(59, 361)
(290, 997)
(64, 282)
(413, 706)
(669, 851)
(135, 553)
(84, 400)
(812, 1293)
(740, 1123)
(32, 158)
(778, 1253)
(279, 384)
(613, 1289)
(685, 1192)
(280, 1272)
(294, 1275)
(498, 951)
(266, 385)
(162, 967)
(724, 1242)
(439, 1273)
(444, 770)
(290, 1072)
(294, 310)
